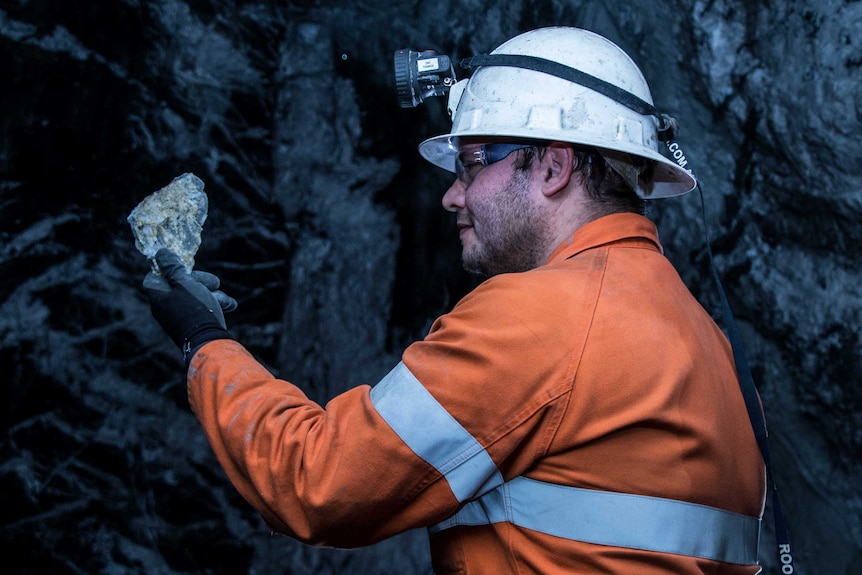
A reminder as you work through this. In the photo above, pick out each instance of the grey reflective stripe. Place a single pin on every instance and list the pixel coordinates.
(618, 519)
(434, 435)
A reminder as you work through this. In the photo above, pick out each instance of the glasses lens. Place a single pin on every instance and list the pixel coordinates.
(466, 171)
(485, 156)
(460, 172)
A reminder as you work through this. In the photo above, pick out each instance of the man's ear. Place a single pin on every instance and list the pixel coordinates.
(556, 167)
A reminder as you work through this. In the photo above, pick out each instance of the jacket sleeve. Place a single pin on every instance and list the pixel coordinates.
(337, 476)
(472, 405)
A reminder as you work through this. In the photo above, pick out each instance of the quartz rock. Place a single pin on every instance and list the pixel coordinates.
(172, 218)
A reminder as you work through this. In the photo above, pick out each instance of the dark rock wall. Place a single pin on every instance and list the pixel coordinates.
(327, 227)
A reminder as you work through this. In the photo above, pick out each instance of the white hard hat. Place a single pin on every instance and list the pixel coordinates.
(516, 100)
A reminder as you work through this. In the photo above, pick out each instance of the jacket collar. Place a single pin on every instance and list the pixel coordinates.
(606, 230)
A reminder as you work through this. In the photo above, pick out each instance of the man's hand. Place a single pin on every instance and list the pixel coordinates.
(188, 306)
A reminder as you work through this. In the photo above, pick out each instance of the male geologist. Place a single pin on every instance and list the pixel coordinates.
(577, 412)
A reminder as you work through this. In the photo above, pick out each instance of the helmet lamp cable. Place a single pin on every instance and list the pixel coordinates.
(752, 403)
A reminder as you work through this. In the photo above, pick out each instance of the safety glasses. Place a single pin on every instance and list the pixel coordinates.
(469, 164)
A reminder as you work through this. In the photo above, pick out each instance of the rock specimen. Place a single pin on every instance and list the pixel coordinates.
(172, 218)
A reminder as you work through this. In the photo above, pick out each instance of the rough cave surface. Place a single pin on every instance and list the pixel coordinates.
(327, 227)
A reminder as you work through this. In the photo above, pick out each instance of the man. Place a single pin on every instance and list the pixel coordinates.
(578, 412)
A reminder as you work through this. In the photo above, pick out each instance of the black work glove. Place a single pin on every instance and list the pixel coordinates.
(188, 306)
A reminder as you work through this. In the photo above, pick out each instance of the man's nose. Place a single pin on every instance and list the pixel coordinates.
(453, 199)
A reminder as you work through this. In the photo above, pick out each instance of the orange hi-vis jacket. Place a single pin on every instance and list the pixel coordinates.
(582, 417)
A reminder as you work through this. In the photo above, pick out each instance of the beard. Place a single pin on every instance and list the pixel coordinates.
(511, 234)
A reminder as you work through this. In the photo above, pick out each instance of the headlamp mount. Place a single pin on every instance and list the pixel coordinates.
(421, 75)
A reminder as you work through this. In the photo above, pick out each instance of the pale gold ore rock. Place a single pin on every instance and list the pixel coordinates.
(172, 218)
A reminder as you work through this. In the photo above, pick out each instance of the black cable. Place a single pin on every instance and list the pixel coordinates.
(752, 404)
